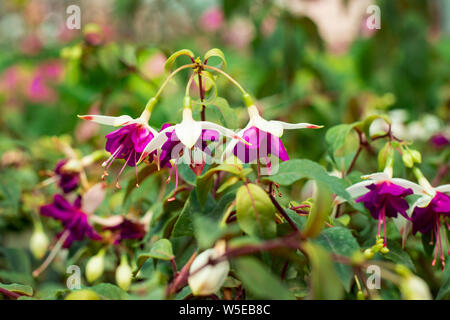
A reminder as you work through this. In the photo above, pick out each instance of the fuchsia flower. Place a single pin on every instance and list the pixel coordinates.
(263, 138)
(384, 196)
(74, 220)
(127, 229)
(127, 142)
(439, 140)
(173, 149)
(427, 213)
(385, 199)
(182, 138)
(68, 180)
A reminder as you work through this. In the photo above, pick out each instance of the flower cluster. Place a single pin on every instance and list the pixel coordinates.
(136, 141)
(384, 197)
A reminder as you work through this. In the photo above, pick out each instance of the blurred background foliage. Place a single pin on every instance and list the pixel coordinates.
(303, 60)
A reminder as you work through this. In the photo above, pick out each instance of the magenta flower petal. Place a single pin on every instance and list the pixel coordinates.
(68, 181)
(263, 144)
(72, 218)
(127, 229)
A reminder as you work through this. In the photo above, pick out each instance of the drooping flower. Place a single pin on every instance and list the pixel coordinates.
(127, 229)
(74, 220)
(263, 137)
(428, 212)
(67, 180)
(384, 196)
(127, 142)
(183, 138)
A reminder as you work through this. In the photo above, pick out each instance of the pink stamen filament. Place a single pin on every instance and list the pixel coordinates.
(135, 165)
(121, 170)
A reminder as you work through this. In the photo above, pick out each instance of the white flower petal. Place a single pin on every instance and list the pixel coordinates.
(290, 126)
(155, 143)
(417, 189)
(188, 131)
(108, 120)
(110, 221)
(378, 176)
(358, 189)
(93, 198)
(444, 188)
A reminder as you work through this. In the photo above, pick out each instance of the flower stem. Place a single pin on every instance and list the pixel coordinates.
(228, 77)
(52, 254)
(186, 66)
(202, 95)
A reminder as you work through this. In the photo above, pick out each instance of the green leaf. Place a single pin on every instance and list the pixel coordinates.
(320, 210)
(142, 175)
(205, 181)
(184, 225)
(18, 288)
(340, 241)
(336, 136)
(294, 170)
(215, 52)
(207, 231)
(109, 291)
(259, 281)
(162, 249)
(18, 260)
(398, 255)
(255, 212)
(227, 115)
(324, 282)
(444, 291)
(174, 57)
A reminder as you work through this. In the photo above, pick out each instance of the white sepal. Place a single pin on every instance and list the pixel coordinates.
(108, 120)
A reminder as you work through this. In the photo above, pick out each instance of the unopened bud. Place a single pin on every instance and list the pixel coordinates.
(417, 157)
(369, 254)
(208, 279)
(414, 288)
(124, 274)
(95, 266)
(407, 159)
(384, 250)
(360, 295)
(83, 294)
(39, 243)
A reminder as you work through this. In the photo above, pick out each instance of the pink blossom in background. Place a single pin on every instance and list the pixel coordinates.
(31, 45)
(211, 19)
(39, 89)
(268, 26)
(239, 33)
(153, 67)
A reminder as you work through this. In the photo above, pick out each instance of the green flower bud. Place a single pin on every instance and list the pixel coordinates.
(82, 295)
(124, 274)
(38, 243)
(407, 159)
(209, 279)
(95, 266)
(368, 253)
(378, 247)
(360, 295)
(384, 250)
(417, 157)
